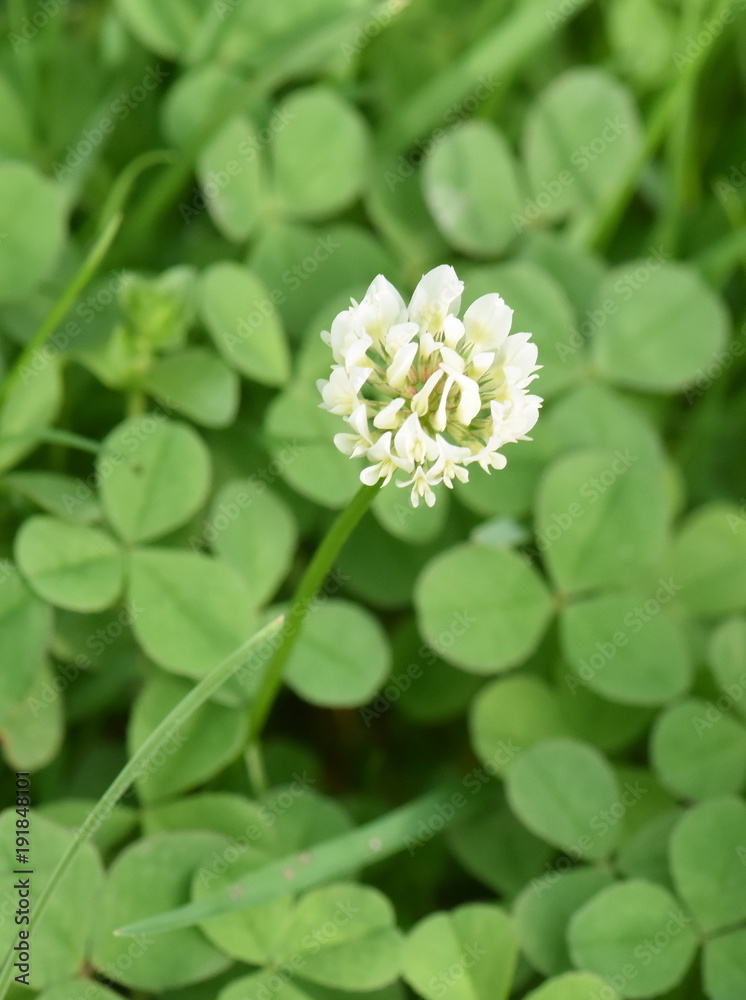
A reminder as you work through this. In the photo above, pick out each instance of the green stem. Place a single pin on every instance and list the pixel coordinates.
(86, 271)
(597, 233)
(256, 770)
(132, 770)
(302, 604)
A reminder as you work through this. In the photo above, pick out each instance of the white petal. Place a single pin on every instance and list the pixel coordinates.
(437, 294)
(387, 419)
(397, 371)
(371, 474)
(470, 402)
(399, 335)
(487, 322)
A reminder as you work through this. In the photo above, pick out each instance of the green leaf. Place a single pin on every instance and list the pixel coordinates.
(521, 854)
(59, 939)
(57, 494)
(87, 988)
(643, 36)
(544, 909)
(467, 954)
(294, 987)
(626, 648)
(231, 815)
(608, 725)
(248, 935)
(150, 875)
(645, 854)
(307, 267)
(231, 176)
(197, 384)
(316, 178)
(25, 633)
(394, 511)
(168, 28)
(708, 561)
(581, 136)
(32, 729)
(253, 531)
(154, 475)
(208, 742)
(574, 986)
(303, 447)
(191, 613)
(341, 658)
(118, 824)
(70, 565)
(597, 416)
(470, 186)
(510, 715)
(481, 609)
(661, 325)
(345, 937)
(240, 315)
(724, 971)
(707, 854)
(636, 932)
(28, 409)
(566, 793)
(601, 518)
(426, 690)
(540, 307)
(16, 134)
(696, 757)
(32, 221)
(727, 659)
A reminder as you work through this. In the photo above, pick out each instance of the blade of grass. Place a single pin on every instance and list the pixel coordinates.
(502, 52)
(596, 233)
(331, 859)
(160, 735)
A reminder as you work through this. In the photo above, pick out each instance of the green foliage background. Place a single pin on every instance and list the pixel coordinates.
(566, 637)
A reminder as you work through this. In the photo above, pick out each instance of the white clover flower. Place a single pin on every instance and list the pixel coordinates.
(424, 393)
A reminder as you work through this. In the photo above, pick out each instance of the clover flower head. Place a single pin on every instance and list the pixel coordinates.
(424, 393)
